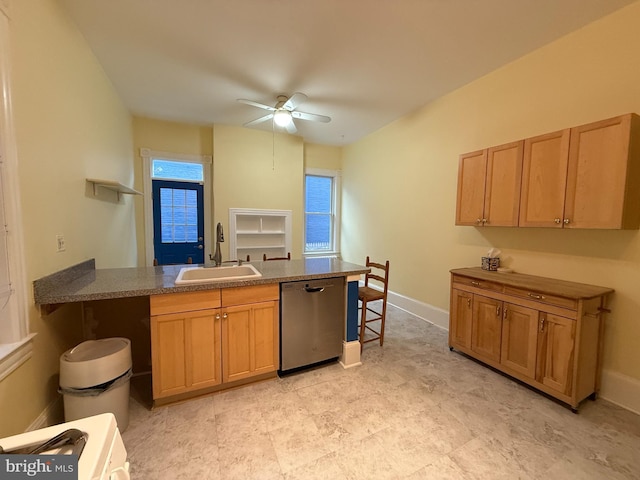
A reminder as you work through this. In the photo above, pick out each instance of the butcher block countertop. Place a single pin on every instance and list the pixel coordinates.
(83, 282)
(549, 286)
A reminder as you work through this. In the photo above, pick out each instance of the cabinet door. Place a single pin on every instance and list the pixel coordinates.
(203, 349)
(544, 178)
(460, 318)
(185, 349)
(486, 331)
(168, 365)
(556, 341)
(250, 345)
(502, 188)
(597, 174)
(472, 171)
(519, 339)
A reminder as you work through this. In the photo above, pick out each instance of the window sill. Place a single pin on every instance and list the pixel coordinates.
(12, 355)
(321, 254)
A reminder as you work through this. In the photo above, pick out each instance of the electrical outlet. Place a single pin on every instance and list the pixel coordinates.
(60, 241)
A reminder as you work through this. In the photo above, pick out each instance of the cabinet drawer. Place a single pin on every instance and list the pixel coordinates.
(474, 282)
(254, 294)
(184, 302)
(542, 297)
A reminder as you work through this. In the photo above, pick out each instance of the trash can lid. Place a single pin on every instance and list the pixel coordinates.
(93, 349)
(95, 362)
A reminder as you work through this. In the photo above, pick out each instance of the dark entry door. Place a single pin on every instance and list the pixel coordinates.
(178, 222)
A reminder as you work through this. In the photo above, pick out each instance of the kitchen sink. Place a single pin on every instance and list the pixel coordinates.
(191, 275)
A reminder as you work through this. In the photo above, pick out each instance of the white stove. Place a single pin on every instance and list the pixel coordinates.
(103, 457)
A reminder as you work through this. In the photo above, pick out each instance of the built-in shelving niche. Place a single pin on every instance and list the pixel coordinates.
(256, 232)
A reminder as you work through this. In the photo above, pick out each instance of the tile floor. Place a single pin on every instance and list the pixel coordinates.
(413, 410)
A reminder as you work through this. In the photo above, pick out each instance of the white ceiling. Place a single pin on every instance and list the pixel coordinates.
(364, 63)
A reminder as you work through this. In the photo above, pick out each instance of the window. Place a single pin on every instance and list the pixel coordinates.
(179, 215)
(185, 171)
(15, 345)
(321, 207)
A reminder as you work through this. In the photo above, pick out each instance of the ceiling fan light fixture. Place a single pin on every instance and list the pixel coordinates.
(282, 118)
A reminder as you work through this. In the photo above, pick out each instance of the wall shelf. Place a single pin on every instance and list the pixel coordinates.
(111, 185)
(255, 231)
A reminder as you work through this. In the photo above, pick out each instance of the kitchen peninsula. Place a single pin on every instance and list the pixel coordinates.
(188, 322)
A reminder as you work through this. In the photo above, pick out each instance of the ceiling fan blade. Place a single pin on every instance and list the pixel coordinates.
(256, 104)
(311, 116)
(291, 127)
(268, 116)
(295, 100)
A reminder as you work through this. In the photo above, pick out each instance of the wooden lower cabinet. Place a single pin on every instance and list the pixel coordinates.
(185, 352)
(556, 343)
(206, 339)
(250, 340)
(460, 318)
(544, 332)
(486, 327)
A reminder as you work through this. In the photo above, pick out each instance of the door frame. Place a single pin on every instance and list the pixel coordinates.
(147, 156)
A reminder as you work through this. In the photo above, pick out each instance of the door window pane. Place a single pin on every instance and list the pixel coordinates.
(178, 215)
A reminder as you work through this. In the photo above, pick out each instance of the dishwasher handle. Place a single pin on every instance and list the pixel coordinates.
(309, 289)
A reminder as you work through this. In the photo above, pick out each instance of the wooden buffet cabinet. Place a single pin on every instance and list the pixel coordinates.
(545, 332)
(208, 340)
(581, 177)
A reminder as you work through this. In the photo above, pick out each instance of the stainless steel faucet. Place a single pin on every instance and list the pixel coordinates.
(217, 256)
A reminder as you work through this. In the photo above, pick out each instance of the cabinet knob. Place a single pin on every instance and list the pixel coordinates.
(567, 221)
(473, 282)
(217, 316)
(484, 220)
(557, 220)
(224, 315)
(479, 221)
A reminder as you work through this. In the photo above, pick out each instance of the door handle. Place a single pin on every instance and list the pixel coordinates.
(199, 247)
(314, 289)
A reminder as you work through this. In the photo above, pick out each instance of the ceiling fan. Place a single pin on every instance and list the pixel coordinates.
(284, 112)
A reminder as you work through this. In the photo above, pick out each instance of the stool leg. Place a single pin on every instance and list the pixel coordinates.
(383, 317)
(363, 321)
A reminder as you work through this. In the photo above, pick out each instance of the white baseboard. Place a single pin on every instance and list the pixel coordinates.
(621, 389)
(51, 415)
(429, 313)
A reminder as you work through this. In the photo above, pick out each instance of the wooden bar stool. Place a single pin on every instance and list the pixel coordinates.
(367, 295)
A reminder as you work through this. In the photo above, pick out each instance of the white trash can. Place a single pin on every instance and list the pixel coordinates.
(94, 379)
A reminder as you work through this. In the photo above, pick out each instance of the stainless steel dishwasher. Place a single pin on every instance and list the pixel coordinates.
(312, 321)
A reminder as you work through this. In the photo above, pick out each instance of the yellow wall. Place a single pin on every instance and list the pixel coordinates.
(169, 137)
(256, 169)
(327, 157)
(586, 76)
(69, 125)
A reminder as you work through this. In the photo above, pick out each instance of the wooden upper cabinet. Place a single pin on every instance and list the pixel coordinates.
(472, 172)
(603, 181)
(544, 180)
(502, 189)
(583, 177)
(489, 186)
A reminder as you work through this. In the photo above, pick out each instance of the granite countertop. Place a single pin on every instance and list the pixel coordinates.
(83, 282)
